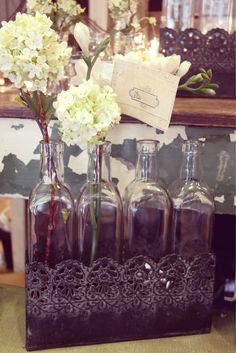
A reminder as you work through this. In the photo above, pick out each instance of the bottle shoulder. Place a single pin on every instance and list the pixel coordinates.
(106, 191)
(139, 190)
(184, 192)
(43, 192)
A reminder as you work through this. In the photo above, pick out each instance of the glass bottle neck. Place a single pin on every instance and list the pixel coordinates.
(146, 167)
(51, 164)
(99, 163)
(191, 168)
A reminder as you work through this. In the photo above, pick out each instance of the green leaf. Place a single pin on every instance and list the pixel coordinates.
(19, 100)
(195, 78)
(213, 85)
(102, 46)
(209, 73)
(30, 102)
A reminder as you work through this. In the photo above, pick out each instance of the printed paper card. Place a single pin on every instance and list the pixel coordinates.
(145, 93)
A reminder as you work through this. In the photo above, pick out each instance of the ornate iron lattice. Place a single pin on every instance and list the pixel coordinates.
(73, 304)
(216, 49)
(138, 286)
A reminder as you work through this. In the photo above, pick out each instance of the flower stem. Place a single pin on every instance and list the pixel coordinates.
(95, 202)
(51, 170)
(43, 120)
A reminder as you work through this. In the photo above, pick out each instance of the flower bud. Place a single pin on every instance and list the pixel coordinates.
(207, 91)
(170, 64)
(183, 69)
(82, 37)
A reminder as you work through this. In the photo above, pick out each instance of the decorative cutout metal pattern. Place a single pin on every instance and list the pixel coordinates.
(107, 287)
(216, 49)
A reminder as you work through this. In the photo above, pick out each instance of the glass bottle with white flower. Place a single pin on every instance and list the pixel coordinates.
(63, 13)
(31, 57)
(121, 14)
(85, 115)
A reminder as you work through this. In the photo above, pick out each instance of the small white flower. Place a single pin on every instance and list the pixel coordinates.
(41, 6)
(118, 7)
(82, 37)
(184, 68)
(70, 7)
(170, 64)
(152, 21)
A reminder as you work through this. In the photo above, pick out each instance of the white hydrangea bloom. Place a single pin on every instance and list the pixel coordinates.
(85, 113)
(118, 7)
(30, 54)
(41, 6)
(70, 7)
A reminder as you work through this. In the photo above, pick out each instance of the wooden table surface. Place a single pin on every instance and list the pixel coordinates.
(187, 111)
(13, 278)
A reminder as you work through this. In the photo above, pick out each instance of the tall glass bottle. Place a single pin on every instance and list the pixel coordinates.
(177, 14)
(147, 207)
(215, 14)
(50, 211)
(193, 205)
(99, 209)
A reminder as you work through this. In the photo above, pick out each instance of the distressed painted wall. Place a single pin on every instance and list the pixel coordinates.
(19, 157)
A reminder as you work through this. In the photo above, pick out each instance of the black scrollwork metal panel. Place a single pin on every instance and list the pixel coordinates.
(107, 301)
(214, 50)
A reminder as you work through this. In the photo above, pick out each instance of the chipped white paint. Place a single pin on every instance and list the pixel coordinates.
(131, 131)
(20, 142)
(202, 139)
(223, 163)
(79, 164)
(232, 137)
(141, 131)
(220, 199)
(118, 169)
(171, 134)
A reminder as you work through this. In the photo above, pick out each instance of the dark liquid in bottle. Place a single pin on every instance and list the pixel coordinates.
(192, 231)
(61, 245)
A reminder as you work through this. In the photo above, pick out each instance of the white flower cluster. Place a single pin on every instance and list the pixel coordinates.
(85, 113)
(41, 6)
(118, 7)
(30, 54)
(170, 64)
(69, 7)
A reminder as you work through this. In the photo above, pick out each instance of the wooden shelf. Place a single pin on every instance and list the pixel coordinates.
(187, 111)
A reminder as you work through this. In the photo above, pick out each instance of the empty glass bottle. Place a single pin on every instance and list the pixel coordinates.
(216, 14)
(193, 205)
(50, 211)
(99, 209)
(147, 207)
(177, 14)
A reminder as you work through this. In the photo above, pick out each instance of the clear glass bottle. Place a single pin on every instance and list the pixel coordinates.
(215, 14)
(119, 39)
(193, 205)
(51, 211)
(177, 14)
(99, 209)
(147, 207)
